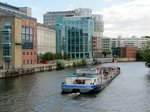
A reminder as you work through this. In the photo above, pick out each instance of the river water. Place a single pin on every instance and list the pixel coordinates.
(41, 92)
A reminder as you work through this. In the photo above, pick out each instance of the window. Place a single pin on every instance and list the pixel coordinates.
(27, 61)
(27, 38)
(31, 53)
(23, 53)
(7, 24)
(27, 53)
(31, 38)
(27, 30)
(23, 30)
(31, 31)
(23, 38)
(6, 50)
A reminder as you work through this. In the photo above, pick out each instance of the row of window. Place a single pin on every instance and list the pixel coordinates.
(27, 30)
(79, 55)
(29, 61)
(29, 53)
(29, 23)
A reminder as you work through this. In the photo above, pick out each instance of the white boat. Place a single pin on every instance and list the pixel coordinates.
(89, 80)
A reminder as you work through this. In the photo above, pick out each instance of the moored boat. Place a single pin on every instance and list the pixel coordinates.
(89, 80)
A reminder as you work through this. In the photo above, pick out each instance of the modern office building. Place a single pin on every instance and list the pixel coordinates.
(75, 34)
(97, 31)
(98, 25)
(97, 35)
(83, 12)
(50, 17)
(139, 43)
(10, 42)
(19, 10)
(46, 36)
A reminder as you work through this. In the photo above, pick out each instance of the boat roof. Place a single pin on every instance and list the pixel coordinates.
(86, 75)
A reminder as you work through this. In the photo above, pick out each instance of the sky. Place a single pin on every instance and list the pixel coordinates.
(124, 18)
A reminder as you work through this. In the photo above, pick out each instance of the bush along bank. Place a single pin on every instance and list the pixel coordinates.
(61, 65)
(83, 62)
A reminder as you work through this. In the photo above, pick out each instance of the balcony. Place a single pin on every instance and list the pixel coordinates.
(6, 42)
(6, 36)
(6, 52)
(6, 57)
(17, 42)
(6, 30)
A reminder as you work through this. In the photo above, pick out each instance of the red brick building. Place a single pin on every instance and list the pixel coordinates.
(97, 47)
(29, 41)
(129, 52)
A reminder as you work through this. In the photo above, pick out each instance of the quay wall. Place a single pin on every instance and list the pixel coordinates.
(27, 70)
(125, 59)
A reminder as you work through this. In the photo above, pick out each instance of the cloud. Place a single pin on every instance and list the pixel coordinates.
(39, 15)
(109, 0)
(71, 7)
(131, 18)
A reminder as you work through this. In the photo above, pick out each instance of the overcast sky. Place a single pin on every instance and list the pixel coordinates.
(121, 17)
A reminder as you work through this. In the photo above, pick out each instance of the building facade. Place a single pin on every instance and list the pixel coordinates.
(139, 43)
(51, 17)
(75, 34)
(46, 37)
(27, 28)
(18, 10)
(10, 42)
(124, 52)
(29, 41)
(97, 31)
(97, 47)
(97, 35)
(106, 44)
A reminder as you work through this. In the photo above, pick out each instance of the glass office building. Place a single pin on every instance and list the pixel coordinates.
(74, 36)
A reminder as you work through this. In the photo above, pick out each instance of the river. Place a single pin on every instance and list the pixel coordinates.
(41, 92)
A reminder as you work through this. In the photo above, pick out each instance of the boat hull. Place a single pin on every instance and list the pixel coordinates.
(82, 88)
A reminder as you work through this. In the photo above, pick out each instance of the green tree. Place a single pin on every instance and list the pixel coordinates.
(146, 55)
(46, 56)
(84, 62)
(60, 65)
(140, 55)
(58, 56)
(65, 56)
(106, 52)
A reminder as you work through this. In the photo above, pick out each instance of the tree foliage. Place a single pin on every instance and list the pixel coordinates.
(60, 65)
(145, 54)
(140, 55)
(52, 56)
(106, 52)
